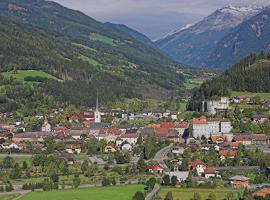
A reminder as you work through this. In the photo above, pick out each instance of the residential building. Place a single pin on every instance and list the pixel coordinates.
(154, 169)
(263, 193)
(210, 173)
(181, 175)
(197, 165)
(73, 148)
(239, 182)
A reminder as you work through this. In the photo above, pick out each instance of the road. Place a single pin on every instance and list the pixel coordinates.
(153, 193)
(15, 155)
(264, 148)
(161, 155)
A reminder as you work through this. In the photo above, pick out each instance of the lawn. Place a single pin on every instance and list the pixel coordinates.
(187, 193)
(91, 61)
(102, 38)
(100, 193)
(21, 74)
(251, 94)
(8, 197)
(19, 160)
(190, 84)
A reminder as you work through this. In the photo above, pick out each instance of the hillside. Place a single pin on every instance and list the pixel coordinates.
(249, 75)
(251, 36)
(74, 47)
(135, 34)
(195, 44)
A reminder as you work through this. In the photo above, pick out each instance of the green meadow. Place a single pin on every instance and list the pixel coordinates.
(99, 193)
(102, 38)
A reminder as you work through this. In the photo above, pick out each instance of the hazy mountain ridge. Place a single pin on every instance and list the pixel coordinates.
(195, 45)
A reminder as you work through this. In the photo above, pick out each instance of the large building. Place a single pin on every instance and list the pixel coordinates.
(206, 127)
(216, 107)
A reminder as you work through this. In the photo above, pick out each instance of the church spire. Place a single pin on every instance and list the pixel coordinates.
(97, 103)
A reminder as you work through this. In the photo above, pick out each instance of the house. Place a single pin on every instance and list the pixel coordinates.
(260, 139)
(110, 148)
(161, 133)
(245, 139)
(73, 148)
(78, 133)
(181, 175)
(197, 165)
(18, 146)
(216, 107)
(263, 193)
(182, 128)
(239, 182)
(232, 145)
(259, 118)
(154, 169)
(225, 153)
(210, 173)
(46, 127)
(130, 138)
(126, 146)
(118, 141)
(31, 136)
(69, 158)
(217, 139)
(266, 105)
(206, 127)
(178, 150)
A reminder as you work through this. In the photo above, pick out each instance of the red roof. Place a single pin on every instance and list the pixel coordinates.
(232, 144)
(200, 120)
(210, 171)
(153, 167)
(161, 132)
(167, 124)
(195, 163)
(182, 125)
(229, 153)
(115, 131)
(241, 138)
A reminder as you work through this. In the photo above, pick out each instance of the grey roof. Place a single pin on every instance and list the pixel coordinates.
(240, 178)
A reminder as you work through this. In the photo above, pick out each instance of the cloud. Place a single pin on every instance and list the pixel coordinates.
(153, 17)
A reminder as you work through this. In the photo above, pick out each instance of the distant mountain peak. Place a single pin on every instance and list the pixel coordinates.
(172, 32)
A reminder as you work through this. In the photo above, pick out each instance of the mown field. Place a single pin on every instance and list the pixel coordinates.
(187, 193)
(101, 193)
(8, 197)
(190, 84)
(251, 94)
(102, 38)
(21, 74)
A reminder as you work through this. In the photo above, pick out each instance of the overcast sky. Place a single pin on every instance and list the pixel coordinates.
(154, 18)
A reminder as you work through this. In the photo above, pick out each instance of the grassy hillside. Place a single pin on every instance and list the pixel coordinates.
(22, 74)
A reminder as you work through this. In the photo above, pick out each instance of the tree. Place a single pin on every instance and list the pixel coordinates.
(138, 196)
(105, 181)
(150, 147)
(169, 196)
(16, 172)
(84, 165)
(25, 165)
(151, 183)
(76, 181)
(196, 196)
(140, 140)
(141, 165)
(212, 196)
(166, 179)
(8, 162)
(174, 180)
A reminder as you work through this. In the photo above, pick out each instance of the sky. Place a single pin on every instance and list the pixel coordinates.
(154, 18)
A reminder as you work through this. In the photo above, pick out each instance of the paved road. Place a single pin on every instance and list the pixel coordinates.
(161, 155)
(264, 148)
(15, 155)
(153, 193)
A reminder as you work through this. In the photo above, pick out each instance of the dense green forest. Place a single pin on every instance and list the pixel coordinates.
(251, 74)
(43, 35)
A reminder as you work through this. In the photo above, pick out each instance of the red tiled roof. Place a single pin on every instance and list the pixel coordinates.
(153, 167)
(182, 125)
(167, 124)
(200, 120)
(161, 132)
(195, 163)
(209, 171)
(230, 153)
(263, 192)
(232, 144)
(242, 138)
(115, 131)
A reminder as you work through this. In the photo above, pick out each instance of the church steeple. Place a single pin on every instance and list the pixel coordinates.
(97, 113)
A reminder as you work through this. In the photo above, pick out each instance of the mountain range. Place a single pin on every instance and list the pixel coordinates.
(221, 39)
(43, 35)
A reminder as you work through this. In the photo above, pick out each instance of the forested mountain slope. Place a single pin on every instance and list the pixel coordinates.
(251, 74)
(38, 34)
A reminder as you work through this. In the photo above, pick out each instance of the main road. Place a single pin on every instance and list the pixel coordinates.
(161, 155)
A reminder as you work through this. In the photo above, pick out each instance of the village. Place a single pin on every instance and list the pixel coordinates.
(202, 151)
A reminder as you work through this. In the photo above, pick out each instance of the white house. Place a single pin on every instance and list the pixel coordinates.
(126, 146)
(181, 175)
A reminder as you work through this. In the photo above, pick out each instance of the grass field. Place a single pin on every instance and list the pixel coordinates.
(187, 193)
(251, 94)
(102, 38)
(190, 84)
(21, 74)
(91, 61)
(8, 197)
(101, 193)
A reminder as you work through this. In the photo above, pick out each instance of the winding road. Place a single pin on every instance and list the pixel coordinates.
(161, 155)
